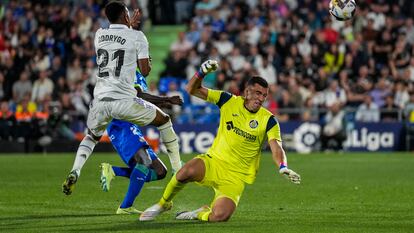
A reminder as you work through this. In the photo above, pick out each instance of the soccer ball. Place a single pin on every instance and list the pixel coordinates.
(342, 9)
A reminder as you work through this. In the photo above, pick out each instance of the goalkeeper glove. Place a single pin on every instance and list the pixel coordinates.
(207, 67)
(290, 174)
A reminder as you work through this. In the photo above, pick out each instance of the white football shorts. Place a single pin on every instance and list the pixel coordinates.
(136, 111)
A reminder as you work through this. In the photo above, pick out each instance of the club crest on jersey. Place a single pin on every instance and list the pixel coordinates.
(253, 124)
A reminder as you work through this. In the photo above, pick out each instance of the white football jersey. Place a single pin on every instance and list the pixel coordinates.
(118, 48)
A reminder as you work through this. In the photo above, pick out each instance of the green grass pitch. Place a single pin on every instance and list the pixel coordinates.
(350, 192)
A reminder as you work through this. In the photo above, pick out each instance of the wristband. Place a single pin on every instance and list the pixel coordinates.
(282, 165)
(200, 74)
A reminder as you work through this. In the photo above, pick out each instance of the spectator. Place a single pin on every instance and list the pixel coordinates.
(182, 44)
(267, 71)
(334, 95)
(380, 92)
(236, 60)
(57, 69)
(334, 58)
(204, 45)
(389, 112)
(383, 47)
(400, 58)
(74, 72)
(1, 85)
(175, 65)
(40, 61)
(80, 99)
(25, 112)
(334, 130)
(368, 111)
(304, 46)
(369, 33)
(60, 87)
(84, 24)
(42, 87)
(223, 45)
(7, 122)
(193, 34)
(401, 96)
(22, 87)
(409, 109)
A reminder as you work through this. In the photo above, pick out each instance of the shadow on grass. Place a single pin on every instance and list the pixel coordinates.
(173, 226)
(45, 217)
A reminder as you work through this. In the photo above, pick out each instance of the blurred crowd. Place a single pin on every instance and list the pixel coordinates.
(311, 61)
(47, 67)
(313, 64)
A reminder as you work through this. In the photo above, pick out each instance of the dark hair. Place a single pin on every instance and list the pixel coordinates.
(259, 80)
(114, 10)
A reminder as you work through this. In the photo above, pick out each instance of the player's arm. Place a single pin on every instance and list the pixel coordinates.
(194, 86)
(279, 157)
(144, 66)
(278, 153)
(160, 101)
(142, 46)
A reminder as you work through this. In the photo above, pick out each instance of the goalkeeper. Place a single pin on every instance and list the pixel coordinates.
(234, 157)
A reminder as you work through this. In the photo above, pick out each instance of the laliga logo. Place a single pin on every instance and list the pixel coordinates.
(372, 141)
(306, 136)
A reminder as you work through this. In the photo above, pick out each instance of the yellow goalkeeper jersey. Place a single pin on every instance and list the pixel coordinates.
(241, 134)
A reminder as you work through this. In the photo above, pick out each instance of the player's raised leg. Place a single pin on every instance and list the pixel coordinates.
(97, 121)
(85, 149)
(192, 171)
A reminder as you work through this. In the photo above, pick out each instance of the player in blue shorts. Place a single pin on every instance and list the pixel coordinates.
(128, 141)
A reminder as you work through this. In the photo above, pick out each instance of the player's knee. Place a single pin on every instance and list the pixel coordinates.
(185, 173)
(161, 119)
(93, 136)
(161, 173)
(221, 215)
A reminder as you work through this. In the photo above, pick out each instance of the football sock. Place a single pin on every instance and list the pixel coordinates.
(203, 215)
(152, 175)
(170, 140)
(122, 171)
(85, 149)
(173, 187)
(126, 172)
(136, 181)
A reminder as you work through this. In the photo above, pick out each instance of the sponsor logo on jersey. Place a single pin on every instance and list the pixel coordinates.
(240, 132)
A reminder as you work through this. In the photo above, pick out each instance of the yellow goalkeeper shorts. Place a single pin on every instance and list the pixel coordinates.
(225, 183)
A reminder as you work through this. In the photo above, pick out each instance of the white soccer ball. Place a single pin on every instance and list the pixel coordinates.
(342, 9)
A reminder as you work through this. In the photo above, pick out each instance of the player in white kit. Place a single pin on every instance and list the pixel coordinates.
(119, 48)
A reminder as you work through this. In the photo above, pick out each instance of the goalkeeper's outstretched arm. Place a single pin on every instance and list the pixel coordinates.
(194, 86)
(278, 153)
(279, 157)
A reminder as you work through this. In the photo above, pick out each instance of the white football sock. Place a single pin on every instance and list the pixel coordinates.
(170, 140)
(85, 149)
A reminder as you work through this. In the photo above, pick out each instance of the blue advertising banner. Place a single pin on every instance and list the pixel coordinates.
(302, 137)
(375, 137)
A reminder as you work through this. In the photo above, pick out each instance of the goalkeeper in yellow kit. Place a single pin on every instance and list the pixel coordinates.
(234, 157)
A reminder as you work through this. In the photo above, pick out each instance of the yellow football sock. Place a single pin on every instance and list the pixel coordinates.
(203, 215)
(173, 187)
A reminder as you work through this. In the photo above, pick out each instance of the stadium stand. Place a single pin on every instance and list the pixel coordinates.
(47, 59)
